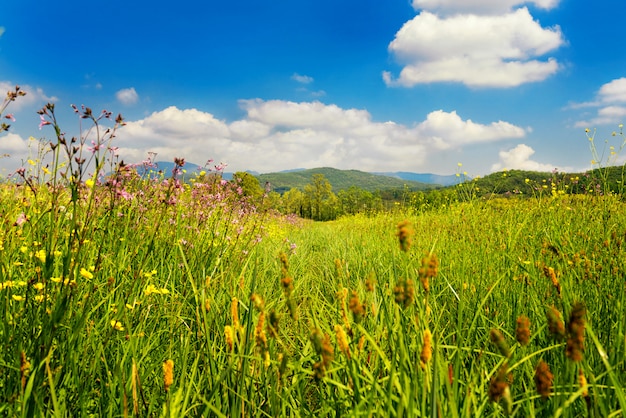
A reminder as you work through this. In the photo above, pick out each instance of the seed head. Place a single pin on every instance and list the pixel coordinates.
(499, 384)
(405, 235)
(168, 374)
(404, 292)
(582, 382)
(342, 340)
(576, 333)
(499, 341)
(229, 335)
(551, 274)
(555, 323)
(356, 307)
(427, 349)
(522, 330)
(543, 379)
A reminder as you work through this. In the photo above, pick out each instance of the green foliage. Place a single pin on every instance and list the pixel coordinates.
(339, 180)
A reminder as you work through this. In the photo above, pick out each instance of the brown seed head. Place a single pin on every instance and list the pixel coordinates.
(543, 379)
(427, 349)
(555, 323)
(356, 307)
(405, 235)
(522, 330)
(498, 384)
(576, 333)
(499, 341)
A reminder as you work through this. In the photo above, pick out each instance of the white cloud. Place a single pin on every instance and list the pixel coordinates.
(127, 96)
(478, 6)
(448, 130)
(13, 151)
(34, 96)
(304, 79)
(2, 30)
(479, 51)
(276, 135)
(613, 91)
(519, 158)
(13, 145)
(611, 100)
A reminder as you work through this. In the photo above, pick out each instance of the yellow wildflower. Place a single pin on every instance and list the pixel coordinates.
(86, 273)
(117, 325)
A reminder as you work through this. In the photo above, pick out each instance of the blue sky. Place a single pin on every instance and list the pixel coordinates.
(394, 85)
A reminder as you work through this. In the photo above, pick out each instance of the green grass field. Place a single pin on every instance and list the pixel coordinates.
(124, 296)
(184, 301)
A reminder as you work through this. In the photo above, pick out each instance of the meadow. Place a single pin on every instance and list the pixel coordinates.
(128, 296)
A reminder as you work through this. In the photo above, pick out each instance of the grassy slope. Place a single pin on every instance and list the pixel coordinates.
(339, 179)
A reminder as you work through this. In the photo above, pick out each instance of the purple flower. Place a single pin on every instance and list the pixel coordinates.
(43, 122)
(21, 219)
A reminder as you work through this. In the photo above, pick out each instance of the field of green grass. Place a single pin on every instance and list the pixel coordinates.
(185, 301)
(124, 296)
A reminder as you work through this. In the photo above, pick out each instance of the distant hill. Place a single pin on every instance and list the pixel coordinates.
(428, 178)
(339, 179)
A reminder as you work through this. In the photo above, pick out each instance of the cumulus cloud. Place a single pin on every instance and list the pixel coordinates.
(478, 6)
(127, 96)
(611, 103)
(448, 130)
(518, 158)
(35, 96)
(304, 79)
(13, 150)
(476, 50)
(276, 135)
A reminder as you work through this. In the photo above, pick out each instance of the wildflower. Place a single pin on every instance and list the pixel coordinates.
(41, 255)
(576, 333)
(404, 292)
(427, 349)
(522, 330)
(89, 183)
(405, 234)
(168, 374)
(21, 219)
(43, 122)
(342, 340)
(499, 341)
(543, 379)
(18, 298)
(229, 335)
(555, 323)
(38, 286)
(117, 325)
(86, 273)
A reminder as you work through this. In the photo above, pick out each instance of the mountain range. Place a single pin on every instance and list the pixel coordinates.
(339, 179)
